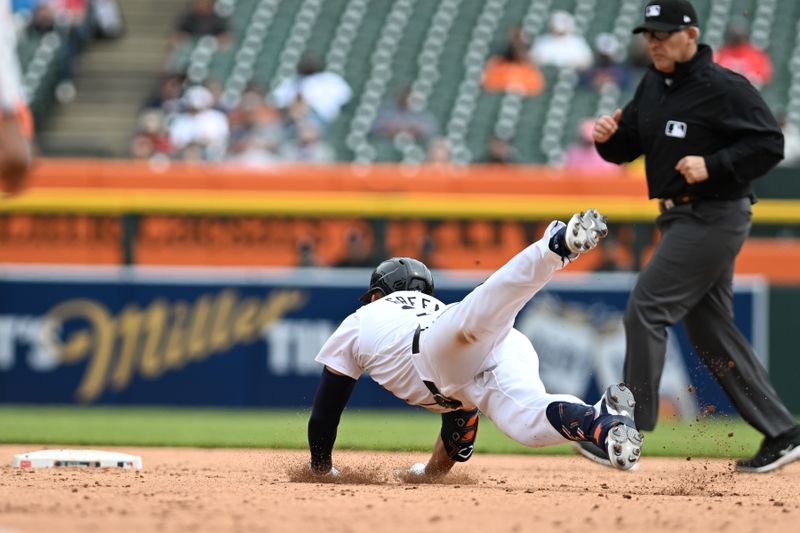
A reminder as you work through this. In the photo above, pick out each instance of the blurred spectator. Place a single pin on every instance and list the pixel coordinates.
(308, 145)
(298, 113)
(638, 56)
(325, 92)
(306, 253)
(107, 18)
(216, 88)
(200, 20)
(43, 20)
(791, 141)
(499, 151)
(401, 116)
(439, 151)
(253, 93)
(791, 145)
(71, 12)
(151, 139)
(583, 157)
(70, 18)
(168, 97)
(200, 131)
(359, 251)
(304, 134)
(512, 69)
(562, 47)
(254, 87)
(742, 56)
(257, 132)
(24, 5)
(608, 67)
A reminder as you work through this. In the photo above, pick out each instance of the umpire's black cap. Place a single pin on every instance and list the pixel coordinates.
(667, 15)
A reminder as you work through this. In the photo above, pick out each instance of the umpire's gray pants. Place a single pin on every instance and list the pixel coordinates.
(690, 277)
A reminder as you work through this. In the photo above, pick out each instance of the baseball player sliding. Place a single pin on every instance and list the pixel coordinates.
(466, 358)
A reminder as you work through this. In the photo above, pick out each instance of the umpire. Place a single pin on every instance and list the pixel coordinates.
(706, 134)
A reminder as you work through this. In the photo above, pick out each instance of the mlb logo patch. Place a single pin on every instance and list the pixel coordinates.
(675, 129)
(653, 11)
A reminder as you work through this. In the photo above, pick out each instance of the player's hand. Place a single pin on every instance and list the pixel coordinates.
(606, 126)
(414, 474)
(693, 168)
(417, 469)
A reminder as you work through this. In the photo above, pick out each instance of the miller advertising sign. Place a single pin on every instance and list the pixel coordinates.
(247, 337)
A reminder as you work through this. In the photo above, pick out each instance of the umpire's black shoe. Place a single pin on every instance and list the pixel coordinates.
(773, 453)
(618, 400)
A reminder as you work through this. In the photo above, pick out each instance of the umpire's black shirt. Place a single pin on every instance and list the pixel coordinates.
(699, 109)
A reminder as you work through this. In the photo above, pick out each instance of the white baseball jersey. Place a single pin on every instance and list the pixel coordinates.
(10, 86)
(377, 339)
(469, 350)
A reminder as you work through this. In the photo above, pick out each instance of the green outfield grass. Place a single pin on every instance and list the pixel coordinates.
(410, 430)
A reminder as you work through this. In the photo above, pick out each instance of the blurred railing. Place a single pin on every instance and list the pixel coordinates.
(130, 212)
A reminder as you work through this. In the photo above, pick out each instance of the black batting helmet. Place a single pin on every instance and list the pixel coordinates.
(399, 274)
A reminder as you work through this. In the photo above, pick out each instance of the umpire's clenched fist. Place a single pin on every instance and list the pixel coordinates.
(693, 168)
(606, 126)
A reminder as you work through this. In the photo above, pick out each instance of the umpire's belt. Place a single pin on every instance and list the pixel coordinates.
(665, 204)
(438, 397)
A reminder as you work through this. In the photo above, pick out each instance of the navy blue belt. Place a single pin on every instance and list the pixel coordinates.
(415, 340)
(438, 397)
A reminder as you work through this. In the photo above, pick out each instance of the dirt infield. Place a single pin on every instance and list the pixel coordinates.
(263, 490)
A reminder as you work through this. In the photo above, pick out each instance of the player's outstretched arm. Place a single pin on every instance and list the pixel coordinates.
(437, 466)
(440, 462)
(332, 396)
(455, 444)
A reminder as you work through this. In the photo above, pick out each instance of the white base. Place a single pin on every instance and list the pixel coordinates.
(79, 458)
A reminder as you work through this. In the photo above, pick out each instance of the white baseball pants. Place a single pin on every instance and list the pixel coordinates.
(473, 354)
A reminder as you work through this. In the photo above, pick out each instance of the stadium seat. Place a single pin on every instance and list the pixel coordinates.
(439, 50)
(40, 59)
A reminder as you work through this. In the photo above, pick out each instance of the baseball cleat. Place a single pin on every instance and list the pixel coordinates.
(593, 452)
(623, 444)
(584, 231)
(332, 473)
(774, 453)
(618, 400)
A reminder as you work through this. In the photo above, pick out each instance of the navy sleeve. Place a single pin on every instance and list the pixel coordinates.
(332, 395)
